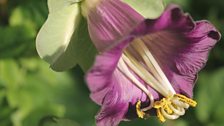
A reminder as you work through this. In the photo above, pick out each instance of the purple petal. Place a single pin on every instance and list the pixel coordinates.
(111, 115)
(111, 89)
(109, 23)
(180, 45)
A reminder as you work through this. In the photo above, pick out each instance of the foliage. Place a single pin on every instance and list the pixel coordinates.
(31, 94)
(148, 8)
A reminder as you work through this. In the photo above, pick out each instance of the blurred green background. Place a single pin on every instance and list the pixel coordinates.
(30, 90)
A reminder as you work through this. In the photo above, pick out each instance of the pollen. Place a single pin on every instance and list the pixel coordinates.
(186, 100)
(165, 104)
(160, 116)
(140, 113)
(171, 110)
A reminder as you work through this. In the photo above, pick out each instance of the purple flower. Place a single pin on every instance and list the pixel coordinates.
(145, 65)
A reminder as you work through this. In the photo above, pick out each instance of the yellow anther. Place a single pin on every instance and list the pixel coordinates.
(165, 103)
(160, 115)
(140, 113)
(186, 100)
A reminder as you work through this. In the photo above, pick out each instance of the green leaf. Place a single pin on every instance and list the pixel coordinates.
(182, 3)
(80, 49)
(148, 8)
(84, 49)
(56, 5)
(209, 96)
(42, 91)
(54, 121)
(152, 121)
(55, 35)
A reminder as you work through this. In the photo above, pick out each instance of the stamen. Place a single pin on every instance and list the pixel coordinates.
(150, 61)
(180, 103)
(160, 115)
(140, 113)
(169, 116)
(171, 110)
(173, 105)
(143, 73)
(124, 69)
(164, 103)
(186, 100)
(177, 110)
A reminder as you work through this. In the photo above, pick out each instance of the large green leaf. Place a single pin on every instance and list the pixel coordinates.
(147, 8)
(80, 49)
(56, 5)
(55, 35)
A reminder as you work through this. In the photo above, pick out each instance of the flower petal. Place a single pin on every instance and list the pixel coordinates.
(111, 89)
(111, 115)
(104, 76)
(180, 45)
(108, 22)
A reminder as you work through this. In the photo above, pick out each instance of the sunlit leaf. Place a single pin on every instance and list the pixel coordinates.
(148, 8)
(55, 35)
(56, 5)
(80, 49)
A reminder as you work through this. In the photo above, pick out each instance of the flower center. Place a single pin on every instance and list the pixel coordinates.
(138, 60)
(87, 5)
